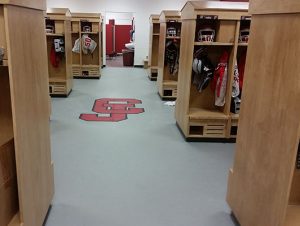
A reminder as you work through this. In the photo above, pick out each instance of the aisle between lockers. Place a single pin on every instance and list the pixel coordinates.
(139, 171)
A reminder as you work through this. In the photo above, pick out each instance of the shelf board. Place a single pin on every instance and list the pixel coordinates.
(170, 83)
(54, 34)
(57, 79)
(76, 65)
(213, 44)
(234, 116)
(173, 37)
(243, 44)
(90, 65)
(156, 34)
(83, 32)
(201, 113)
(292, 215)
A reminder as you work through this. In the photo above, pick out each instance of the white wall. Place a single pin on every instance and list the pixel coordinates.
(120, 18)
(141, 9)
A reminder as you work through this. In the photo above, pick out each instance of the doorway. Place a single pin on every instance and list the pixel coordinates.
(120, 39)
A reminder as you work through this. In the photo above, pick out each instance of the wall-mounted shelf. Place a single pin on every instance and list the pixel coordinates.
(87, 65)
(153, 47)
(56, 34)
(169, 19)
(91, 33)
(60, 20)
(196, 114)
(26, 170)
(213, 44)
(173, 37)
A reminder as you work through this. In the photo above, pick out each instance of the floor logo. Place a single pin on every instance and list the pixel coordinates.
(113, 110)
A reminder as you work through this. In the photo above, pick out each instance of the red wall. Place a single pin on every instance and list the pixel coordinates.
(122, 36)
(109, 39)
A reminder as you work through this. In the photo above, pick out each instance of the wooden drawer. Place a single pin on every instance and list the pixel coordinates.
(57, 89)
(208, 128)
(76, 71)
(91, 71)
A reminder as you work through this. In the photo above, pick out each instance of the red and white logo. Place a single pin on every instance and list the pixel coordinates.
(113, 110)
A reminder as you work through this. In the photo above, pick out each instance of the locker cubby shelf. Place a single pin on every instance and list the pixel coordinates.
(168, 19)
(87, 65)
(61, 18)
(195, 112)
(213, 44)
(153, 47)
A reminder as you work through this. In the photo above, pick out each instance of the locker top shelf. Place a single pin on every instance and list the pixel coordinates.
(86, 15)
(154, 18)
(91, 17)
(274, 6)
(34, 4)
(224, 10)
(59, 13)
(167, 15)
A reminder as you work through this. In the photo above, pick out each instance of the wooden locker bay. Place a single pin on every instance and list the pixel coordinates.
(60, 76)
(196, 114)
(153, 47)
(167, 83)
(26, 170)
(87, 65)
(264, 183)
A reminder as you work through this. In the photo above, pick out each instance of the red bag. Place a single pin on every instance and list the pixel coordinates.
(54, 59)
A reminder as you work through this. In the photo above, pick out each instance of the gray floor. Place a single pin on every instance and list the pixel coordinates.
(139, 172)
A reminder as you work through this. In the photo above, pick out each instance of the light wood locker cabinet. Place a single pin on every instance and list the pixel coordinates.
(26, 171)
(153, 47)
(87, 65)
(264, 183)
(167, 82)
(60, 73)
(195, 112)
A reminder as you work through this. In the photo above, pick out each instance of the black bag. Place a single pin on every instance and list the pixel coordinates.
(172, 57)
(203, 69)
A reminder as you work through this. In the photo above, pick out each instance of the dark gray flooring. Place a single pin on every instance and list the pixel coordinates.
(139, 172)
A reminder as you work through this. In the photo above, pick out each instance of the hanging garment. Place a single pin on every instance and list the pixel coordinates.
(236, 82)
(220, 80)
(59, 45)
(88, 44)
(241, 68)
(202, 69)
(76, 48)
(172, 57)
